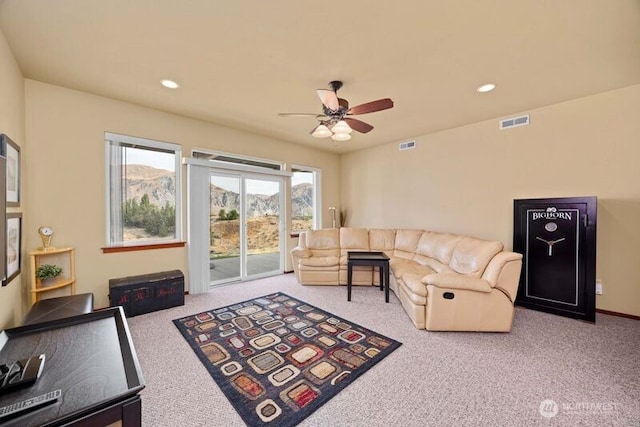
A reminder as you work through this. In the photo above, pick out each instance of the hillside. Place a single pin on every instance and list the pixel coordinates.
(262, 229)
(262, 237)
(159, 184)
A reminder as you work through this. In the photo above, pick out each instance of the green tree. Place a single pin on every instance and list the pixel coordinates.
(224, 216)
(169, 215)
(155, 220)
(129, 211)
(233, 215)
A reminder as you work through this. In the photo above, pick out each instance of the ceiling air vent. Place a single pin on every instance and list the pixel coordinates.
(514, 122)
(407, 145)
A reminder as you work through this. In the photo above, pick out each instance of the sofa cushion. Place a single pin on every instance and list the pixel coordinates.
(437, 246)
(352, 239)
(382, 239)
(355, 239)
(406, 243)
(400, 269)
(471, 255)
(436, 265)
(393, 262)
(323, 242)
(414, 288)
(319, 261)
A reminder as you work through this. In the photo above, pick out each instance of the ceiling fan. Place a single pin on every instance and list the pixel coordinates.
(336, 121)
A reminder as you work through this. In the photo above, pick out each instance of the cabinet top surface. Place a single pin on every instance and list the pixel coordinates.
(99, 347)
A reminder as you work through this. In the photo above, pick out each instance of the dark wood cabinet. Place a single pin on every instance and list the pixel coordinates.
(90, 358)
(557, 238)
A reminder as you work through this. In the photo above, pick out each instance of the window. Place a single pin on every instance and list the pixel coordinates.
(305, 199)
(143, 191)
(235, 159)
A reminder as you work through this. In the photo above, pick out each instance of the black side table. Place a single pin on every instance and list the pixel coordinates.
(59, 308)
(373, 259)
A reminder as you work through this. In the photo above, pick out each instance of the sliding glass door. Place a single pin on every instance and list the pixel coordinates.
(224, 228)
(263, 225)
(245, 226)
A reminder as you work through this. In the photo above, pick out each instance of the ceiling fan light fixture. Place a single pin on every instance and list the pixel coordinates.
(341, 128)
(336, 119)
(321, 132)
(341, 137)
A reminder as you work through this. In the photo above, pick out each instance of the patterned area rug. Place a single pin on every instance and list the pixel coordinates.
(278, 359)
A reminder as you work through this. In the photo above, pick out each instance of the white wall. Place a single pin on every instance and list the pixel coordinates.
(464, 180)
(65, 129)
(14, 296)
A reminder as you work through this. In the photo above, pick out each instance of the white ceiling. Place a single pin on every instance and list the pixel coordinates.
(239, 63)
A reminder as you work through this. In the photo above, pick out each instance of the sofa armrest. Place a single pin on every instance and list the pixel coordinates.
(497, 263)
(299, 252)
(457, 281)
(503, 272)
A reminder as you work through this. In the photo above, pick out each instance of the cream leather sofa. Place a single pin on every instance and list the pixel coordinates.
(445, 282)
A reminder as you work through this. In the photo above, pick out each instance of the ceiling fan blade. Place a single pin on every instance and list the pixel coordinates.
(371, 107)
(358, 125)
(329, 99)
(299, 115)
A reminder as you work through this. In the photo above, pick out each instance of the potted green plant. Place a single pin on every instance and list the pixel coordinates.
(47, 271)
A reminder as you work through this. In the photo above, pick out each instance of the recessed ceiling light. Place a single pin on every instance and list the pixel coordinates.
(170, 84)
(486, 88)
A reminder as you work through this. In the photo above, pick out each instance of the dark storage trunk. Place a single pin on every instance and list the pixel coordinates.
(147, 292)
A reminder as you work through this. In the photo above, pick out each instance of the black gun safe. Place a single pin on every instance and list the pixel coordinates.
(557, 238)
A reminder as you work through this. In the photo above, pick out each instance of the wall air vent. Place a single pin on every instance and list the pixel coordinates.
(514, 122)
(407, 145)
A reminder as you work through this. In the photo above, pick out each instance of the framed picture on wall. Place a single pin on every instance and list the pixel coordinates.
(14, 246)
(13, 171)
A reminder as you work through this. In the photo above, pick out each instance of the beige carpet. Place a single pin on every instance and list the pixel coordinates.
(590, 372)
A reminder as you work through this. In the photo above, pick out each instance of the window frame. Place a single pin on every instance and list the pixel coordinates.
(236, 161)
(113, 139)
(317, 196)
